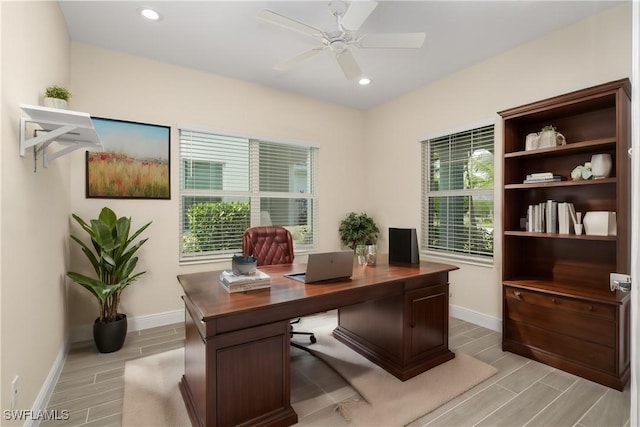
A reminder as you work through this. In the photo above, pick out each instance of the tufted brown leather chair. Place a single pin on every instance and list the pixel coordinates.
(271, 245)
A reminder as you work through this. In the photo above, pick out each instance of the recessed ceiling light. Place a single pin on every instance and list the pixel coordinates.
(150, 14)
(364, 81)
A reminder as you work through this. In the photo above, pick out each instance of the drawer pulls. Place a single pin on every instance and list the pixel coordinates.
(519, 296)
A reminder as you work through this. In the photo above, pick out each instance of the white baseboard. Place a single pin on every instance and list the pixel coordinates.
(42, 400)
(476, 318)
(85, 332)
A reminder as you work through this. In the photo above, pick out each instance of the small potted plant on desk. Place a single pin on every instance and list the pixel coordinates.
(56, 97)
(113, 260)
(360, 232)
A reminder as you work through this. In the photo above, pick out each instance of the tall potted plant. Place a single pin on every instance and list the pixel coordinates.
(112, 257)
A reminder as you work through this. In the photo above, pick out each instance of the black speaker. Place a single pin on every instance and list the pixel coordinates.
(403, 246)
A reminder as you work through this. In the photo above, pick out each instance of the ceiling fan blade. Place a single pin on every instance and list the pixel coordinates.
(288, 23)
(392, 41)
(348, 64)
(285, 65)
(357, 13)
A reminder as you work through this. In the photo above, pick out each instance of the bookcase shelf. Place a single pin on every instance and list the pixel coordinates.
(557, 305)
(577, 147)
(539, 235)
(579, 182)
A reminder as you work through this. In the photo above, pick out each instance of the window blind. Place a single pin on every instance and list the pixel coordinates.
(228, 184)
(457, 193)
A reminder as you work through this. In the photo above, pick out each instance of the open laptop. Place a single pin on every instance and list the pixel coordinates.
(326, 266)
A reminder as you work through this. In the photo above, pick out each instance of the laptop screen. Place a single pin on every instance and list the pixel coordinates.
(326, 266)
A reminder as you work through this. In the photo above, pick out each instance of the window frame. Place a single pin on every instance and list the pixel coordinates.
(427, 193)
(253, 194)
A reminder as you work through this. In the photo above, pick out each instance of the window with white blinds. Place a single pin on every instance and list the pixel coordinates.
(228, 184)
(457, 194)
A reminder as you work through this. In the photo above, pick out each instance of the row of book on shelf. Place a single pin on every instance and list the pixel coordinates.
(244, 282)
(552, 217)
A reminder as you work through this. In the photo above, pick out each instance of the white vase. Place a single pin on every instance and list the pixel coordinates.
(55, 103)
(601, 165)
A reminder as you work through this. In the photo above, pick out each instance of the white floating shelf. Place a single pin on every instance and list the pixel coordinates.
(72, 129)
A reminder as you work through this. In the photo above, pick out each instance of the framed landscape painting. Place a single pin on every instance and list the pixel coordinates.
(134, 163)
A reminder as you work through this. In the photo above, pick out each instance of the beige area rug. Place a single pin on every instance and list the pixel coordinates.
(152, 398)
(151, 395)
(389, 401)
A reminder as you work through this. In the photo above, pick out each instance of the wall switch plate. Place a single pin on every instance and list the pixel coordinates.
(618, 282)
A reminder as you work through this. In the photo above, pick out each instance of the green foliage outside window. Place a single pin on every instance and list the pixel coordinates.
(216, 226)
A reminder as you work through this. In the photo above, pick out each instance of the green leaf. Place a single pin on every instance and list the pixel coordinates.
(107, 216)
(97, 287)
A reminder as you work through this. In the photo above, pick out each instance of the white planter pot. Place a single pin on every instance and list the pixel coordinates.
(600, 223)
(601, 165)
(55, 103)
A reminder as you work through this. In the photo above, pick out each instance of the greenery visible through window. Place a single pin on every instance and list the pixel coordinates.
(457, 201)
(228, 184)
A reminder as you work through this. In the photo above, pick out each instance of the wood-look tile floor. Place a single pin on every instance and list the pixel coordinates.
(522, 393)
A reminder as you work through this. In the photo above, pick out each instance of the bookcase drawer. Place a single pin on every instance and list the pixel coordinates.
(568, 348)
(565, 304)
(559, 321)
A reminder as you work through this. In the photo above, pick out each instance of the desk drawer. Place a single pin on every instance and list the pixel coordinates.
(566, 304)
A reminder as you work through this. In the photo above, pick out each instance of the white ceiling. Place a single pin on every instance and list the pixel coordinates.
(226, 38)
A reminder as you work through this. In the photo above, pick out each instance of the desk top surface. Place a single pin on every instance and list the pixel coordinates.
(212, 300)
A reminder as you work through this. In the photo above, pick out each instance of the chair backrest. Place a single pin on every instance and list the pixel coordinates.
(268, 244)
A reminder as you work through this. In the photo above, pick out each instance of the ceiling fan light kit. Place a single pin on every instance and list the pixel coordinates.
(343, 36)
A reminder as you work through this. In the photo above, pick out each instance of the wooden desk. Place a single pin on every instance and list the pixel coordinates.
(237, 345)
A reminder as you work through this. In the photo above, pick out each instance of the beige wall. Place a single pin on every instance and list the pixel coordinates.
(35, 206)
(590, 52)
(119, 86)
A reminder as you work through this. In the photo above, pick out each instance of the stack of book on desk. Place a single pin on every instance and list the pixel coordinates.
(241, 283)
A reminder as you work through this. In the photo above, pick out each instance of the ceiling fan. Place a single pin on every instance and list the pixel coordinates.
(342, 35)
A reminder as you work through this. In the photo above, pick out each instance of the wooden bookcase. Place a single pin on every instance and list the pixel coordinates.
(557, 304)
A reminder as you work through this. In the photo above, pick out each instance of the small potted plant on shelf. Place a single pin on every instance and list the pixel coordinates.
(56, 97)
(111, 254)
(360, 232)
